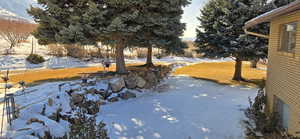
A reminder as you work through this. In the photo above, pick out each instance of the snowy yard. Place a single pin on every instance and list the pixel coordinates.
(185, 108)
(18, 62)
(191, 108)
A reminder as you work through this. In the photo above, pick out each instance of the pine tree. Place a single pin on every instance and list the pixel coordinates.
(163, 26)
(279, 3)
(119, 22)
(221, 31)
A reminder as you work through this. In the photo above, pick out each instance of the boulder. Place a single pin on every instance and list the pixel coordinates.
(56, 115)
(50, 102)
(35, 120)
(127, 95)
(140, 82)
(113, 99)
(117, 84)
(131, 81)
(101, 102)
(91, 91)
(76, 98)
(162, 88)
(92, 83)
(151, 80)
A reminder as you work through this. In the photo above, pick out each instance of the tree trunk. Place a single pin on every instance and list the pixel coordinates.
(120, 61)
(99, 55)
(238, 70)
(254, 63)
(31, 47)
(149, 62)
(12, 45)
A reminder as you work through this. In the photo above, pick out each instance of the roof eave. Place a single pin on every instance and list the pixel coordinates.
(267, 17)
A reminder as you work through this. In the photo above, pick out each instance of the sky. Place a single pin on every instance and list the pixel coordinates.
(190, 18)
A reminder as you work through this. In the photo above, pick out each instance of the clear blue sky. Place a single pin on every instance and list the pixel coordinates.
(190, 17)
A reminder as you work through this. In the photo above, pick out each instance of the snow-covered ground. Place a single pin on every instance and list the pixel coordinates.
(17, 61)
(185, 109)
(190, 109)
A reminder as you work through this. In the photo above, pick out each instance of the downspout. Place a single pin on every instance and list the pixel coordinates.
(256, 34)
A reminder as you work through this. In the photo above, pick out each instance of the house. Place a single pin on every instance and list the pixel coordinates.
(283, 78)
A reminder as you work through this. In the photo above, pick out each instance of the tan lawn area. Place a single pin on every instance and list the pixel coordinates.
(45, 75)
(222, 72)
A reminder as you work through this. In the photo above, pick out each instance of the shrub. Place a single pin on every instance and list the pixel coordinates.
(75, 51)
(188, 54)
(56, 50)
(259, 123)
(159, 55)
(95, 53)
(141, 52)
(87, 128)
(35, 59)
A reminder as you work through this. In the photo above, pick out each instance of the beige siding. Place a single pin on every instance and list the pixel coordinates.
(284, 72)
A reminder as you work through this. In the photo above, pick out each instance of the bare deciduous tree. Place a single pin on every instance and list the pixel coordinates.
(15, 31)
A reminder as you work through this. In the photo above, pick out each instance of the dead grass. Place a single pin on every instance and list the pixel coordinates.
(35, 77)
(217, 72)
(222, 73)
(46, 75)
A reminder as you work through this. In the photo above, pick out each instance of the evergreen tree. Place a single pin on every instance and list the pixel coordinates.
(175, 46)
(278, 3)
(163, 26)
(90, 21)
(221, 31)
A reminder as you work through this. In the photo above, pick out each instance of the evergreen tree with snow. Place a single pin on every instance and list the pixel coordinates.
(221, 33)
(278, 3)
(90, 21)
(163, 27)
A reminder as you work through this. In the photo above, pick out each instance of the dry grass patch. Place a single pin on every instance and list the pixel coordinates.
(222, 73)
(34, 77)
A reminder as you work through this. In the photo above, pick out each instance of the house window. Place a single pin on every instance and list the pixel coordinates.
(288, 37)
(283, 113)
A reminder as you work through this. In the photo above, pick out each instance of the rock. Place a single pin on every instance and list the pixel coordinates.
(131, 81)
(140, 82)
(56, 116)
(162, 88)
(127, 95)
(151, 80)
(50, 102)
(117, 84)
(92, 83)
(70, 92)
(35, 120)
(91, 91)
(104, 94)
(76, 98)
(113, 99)
(100, 92)
(101, 102)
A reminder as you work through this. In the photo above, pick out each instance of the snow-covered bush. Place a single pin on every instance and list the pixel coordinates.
(260, 124)
(86, 127)
(35, 59)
